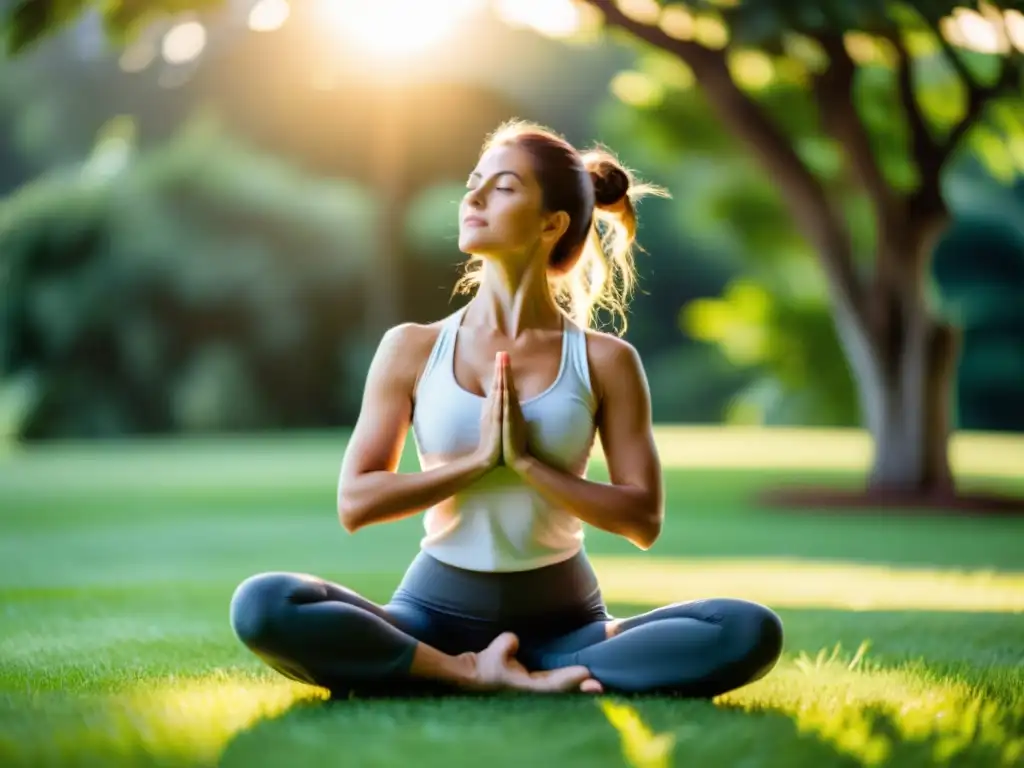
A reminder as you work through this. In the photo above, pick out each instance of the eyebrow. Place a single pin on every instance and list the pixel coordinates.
(501, 173)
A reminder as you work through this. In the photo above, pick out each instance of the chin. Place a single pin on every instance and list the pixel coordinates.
(478, 246)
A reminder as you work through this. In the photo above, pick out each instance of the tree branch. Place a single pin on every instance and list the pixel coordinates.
(978, 97)
(924, 150)
(803, 194)
(833, 91)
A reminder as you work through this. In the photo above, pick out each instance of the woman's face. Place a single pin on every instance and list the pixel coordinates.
(501, 215)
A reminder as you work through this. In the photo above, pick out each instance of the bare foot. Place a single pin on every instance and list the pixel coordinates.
(496, 669)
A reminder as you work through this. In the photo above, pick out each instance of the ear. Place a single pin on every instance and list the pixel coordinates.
(554, 226)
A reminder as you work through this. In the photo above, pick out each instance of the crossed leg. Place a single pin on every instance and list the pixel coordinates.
(321, 633)
(700, 649)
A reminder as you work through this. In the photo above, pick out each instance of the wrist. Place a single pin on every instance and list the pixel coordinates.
(523, 464)
(480, 464)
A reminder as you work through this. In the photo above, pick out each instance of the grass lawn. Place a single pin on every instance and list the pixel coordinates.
(905, 636)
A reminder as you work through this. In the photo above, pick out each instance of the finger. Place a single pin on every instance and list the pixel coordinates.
(590, 685)
(508, 643)
(507, 369)
(496, 379)
(505, 381)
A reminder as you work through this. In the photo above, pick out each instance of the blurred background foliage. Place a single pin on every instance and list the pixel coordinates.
(208, 231)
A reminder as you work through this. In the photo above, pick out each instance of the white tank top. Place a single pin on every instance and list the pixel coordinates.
(499, 523)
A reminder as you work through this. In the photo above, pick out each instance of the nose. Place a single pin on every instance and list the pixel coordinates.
(474, 199)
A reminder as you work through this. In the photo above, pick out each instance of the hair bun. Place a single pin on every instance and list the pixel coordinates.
(611, 183)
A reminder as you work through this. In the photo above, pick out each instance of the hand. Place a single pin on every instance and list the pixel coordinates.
(513, 427)
(490, 448)
(497, 669)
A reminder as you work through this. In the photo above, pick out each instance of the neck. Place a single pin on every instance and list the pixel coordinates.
(511, 301)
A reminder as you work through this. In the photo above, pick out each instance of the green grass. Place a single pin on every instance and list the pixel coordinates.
(904, 646)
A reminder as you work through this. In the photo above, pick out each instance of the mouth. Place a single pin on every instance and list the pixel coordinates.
(474, 221)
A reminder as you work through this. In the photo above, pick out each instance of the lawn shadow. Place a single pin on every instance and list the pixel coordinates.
(512, 730)
(911, 704)
(640, 731)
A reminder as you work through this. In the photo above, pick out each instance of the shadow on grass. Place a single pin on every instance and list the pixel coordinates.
(819, 707)
(645, 732)
(815, 709)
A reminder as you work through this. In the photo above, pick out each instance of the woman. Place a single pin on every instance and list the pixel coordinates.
(505, 397)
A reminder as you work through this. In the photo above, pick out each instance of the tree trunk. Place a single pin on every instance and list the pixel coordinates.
(912, 407)
(905, 370)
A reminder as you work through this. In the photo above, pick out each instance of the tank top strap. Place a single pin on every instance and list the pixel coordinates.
(576, 349)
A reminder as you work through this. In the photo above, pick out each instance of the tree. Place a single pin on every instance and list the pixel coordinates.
(902, 354)
(197, 286)
(26, 22)
(901, 351)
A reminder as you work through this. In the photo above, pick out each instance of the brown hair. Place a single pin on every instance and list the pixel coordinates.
(591, 266)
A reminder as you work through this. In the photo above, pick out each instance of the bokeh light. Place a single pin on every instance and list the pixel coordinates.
(138, 56)
(751, 68)
(184, 42)
(644, 11)
(637, 89)
(710, 31)
(676, 21)
(269, 15)
(1015, 29)
(972, 30)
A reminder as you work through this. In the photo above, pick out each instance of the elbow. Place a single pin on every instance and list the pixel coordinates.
(350, 515)
(648, 528)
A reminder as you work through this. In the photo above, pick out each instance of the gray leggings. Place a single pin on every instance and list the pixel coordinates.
(321, 633)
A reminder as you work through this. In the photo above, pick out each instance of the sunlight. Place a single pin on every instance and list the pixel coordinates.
(800, 583)
(798, 449)
(855, 705)
(198, 717)
(972, 30)
(177, 720)
(1015, 28)
(390, 28)
(553, 18)
(641, 747)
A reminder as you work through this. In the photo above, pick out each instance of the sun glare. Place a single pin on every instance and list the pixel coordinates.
(554, 18)
(395, 27)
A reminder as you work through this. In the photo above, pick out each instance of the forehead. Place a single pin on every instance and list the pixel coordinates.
(505, 157)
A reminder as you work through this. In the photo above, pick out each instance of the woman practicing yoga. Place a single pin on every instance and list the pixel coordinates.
(504, 397)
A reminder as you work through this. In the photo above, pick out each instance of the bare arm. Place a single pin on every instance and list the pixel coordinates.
(632, 504)
(370, 489)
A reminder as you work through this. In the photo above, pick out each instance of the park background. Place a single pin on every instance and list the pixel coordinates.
(207, 225)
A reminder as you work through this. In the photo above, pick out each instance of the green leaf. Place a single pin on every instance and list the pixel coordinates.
(990, 147)
(29, 21)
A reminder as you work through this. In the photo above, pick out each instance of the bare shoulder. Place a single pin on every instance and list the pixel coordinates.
(613, 360)
(404, 349)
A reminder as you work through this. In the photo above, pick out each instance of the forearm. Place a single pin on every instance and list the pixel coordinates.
(628, 511)
(379, 497)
